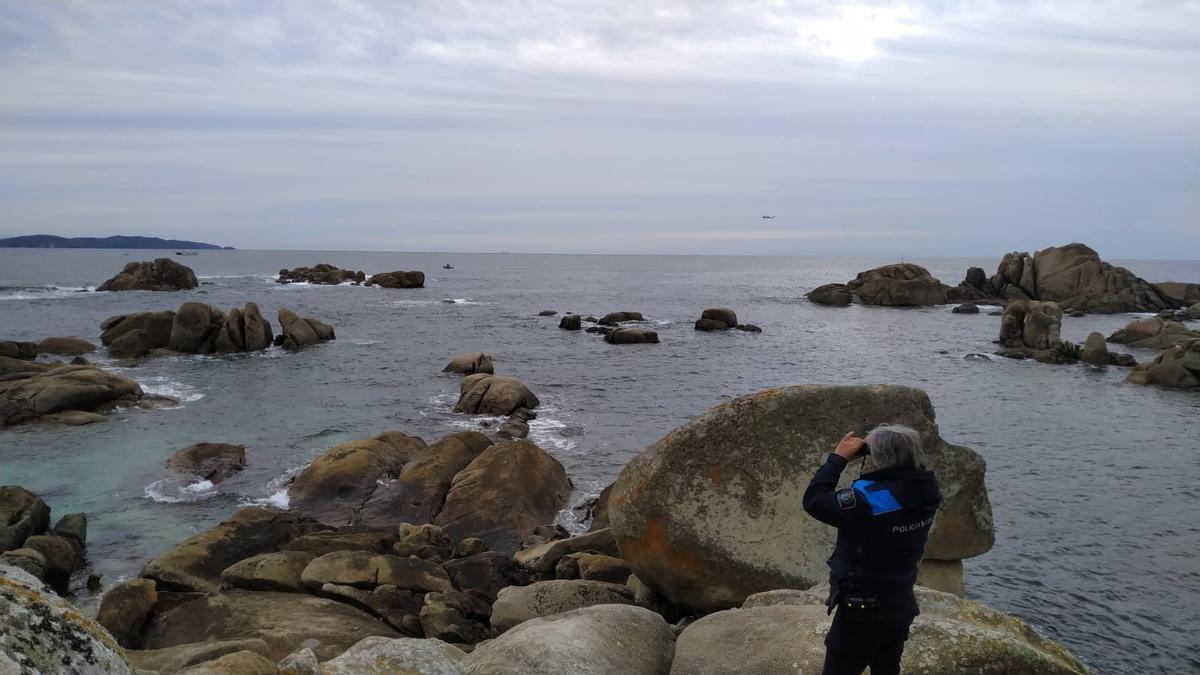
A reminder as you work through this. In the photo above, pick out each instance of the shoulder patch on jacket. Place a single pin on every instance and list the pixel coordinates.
(846, 498)
(878, 497)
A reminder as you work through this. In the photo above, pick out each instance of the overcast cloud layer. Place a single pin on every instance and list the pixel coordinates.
(934, 128)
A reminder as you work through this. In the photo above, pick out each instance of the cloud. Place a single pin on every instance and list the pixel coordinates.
(967, 127)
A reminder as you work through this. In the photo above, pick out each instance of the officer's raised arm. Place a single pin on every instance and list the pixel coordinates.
(822, 499)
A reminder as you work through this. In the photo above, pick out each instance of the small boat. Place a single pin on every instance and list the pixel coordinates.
(447, 266)
(185, 253)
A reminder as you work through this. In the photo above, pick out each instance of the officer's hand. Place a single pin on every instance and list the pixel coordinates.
(849, 446)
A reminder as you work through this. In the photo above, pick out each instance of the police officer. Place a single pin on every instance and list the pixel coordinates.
(883, 521)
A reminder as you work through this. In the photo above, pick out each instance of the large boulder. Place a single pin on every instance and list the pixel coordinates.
(125, 608)
(285, 621)
(22, 514)
(65, 346)
(321, 273)
(785, 632)
(830, 294)
(898, 285)
(163, 274)
(394, 656)
(334, 487)
(1095, 351)
(471, 363)
(593, 640)
(485, 573)
(245, 662)
(213, 462)
(195, 328)
(518, 604)
(398, 279)
(419, 491)
(196, 563)
(1182, 294)
(713, 511)
(487, 394)
(61, 389)
(299, 331)
(571, 322)
(503, 494)
(1153, 333)
(42, 633)
(244, 330)
(1176, 367)
(1076, 278)
(1031, 328)
(717, 319)
(151, 328)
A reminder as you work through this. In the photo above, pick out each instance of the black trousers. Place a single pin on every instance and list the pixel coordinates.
(851, 646)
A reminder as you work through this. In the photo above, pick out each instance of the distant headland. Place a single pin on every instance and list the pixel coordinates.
(118, 241)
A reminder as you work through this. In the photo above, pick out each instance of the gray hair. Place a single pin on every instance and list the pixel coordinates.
(895, 445)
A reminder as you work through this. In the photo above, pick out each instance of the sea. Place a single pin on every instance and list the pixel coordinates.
(1095, 484)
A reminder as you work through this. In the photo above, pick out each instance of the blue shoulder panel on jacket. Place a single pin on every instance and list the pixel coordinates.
(879, 497)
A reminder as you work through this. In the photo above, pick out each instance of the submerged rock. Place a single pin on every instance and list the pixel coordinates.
(471, 363)
(614, 318)
(213, 462)
(712, 512)
(45, 634)
(163, 274)
(571, 322)
(65, 346)
(629, 336)
(784, 631)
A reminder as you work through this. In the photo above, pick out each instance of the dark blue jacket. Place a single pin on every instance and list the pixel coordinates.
(883, 521)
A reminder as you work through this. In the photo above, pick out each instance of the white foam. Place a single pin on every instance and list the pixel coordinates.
(179, 391)
(277, 489)
(43, 292)
(175, 490)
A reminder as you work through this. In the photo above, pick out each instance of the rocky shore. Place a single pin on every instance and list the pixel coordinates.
(397, 555)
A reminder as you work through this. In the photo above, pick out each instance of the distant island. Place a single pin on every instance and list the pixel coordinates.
(119, 241)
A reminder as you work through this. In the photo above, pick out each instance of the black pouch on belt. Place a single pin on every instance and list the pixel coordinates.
(860, 607)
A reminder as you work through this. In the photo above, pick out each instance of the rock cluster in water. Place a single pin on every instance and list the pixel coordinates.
(321, 273)
(162, 274)
(397, 556)
(198, 328)
(1072, 276)
(28, 542)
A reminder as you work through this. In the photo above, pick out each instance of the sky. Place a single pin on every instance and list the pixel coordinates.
(947, 127)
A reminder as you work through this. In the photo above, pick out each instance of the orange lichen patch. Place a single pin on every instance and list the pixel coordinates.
(654, 546)
(716, 472)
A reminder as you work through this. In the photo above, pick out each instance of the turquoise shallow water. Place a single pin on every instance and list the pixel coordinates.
(1094, 483)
